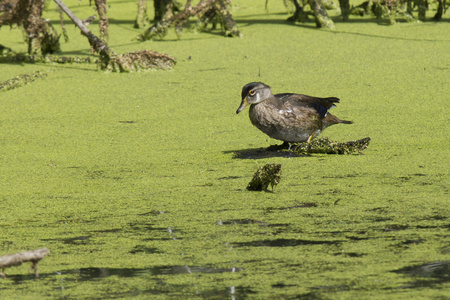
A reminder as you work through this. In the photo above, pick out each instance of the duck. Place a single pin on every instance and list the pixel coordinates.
(288, 117)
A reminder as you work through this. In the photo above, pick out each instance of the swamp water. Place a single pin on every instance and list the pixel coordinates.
(137, 182)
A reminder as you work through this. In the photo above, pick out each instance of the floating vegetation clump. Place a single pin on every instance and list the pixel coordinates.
(269, 174)
(326, 146)
(21, 80)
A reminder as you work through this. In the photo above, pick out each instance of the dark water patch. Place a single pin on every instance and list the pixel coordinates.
(20, 278)
(395, 227)
(429, 274)
(128, 122)
(379, 209)
(213, 69)
(152, 213)
(284, 243)
(301, 205)
(259, 153)
(108, 230)
(78, 240)
(281, 285)
(432, 226)
(437, 217)
(343, 176)
(239, 222)
(311, 296)
(229, 177)
(279, 225)
(357, 238)
(144, 249)
(95, 174)
(412, 242)
(350, 254)
(380, 219)
(85, 274)
(146, 227)
(332, 191)
(232, 292)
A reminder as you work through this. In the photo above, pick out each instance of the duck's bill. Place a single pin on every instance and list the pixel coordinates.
(244, 103)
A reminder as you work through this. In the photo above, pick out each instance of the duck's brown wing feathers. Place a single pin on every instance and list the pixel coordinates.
(321, 105)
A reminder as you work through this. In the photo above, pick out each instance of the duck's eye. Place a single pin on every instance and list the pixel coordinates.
(252, 93)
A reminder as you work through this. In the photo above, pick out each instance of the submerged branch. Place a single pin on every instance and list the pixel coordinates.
(127, 62)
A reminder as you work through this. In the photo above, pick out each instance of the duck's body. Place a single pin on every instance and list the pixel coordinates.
(288, 117)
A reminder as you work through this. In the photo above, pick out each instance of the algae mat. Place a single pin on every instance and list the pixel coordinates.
(137, 182)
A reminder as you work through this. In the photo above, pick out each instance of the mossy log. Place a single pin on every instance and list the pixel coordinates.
(102, 10)
(326, 146)
(127, 62)
(12, 57)
(318, 10)
(266, 175)
(39, 33)
(345, 9)
(142, 19)
(13, 260)
(321, 15)
(21, 80)
(204, 8)
(300, 14)
(391, 10)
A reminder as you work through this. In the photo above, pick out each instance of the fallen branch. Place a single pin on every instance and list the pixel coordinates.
(13, 260)
(208, 9)
(20, 80)
(127, 62)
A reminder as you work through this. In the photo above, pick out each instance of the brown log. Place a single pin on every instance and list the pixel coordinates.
(12, 260)
(97, 44)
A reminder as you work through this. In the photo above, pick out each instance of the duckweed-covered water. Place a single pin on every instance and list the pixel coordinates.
(137, 182)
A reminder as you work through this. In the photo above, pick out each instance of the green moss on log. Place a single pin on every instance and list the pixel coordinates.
(21, 80)
(326, 146)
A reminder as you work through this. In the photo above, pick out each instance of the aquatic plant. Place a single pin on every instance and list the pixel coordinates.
(327, 146)
(266, 175)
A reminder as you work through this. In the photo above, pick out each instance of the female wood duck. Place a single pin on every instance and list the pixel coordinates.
(288, 117)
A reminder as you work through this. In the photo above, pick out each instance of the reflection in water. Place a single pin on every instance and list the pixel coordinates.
(94, 273)
(78, 240)
(284, 243)
(438, 270)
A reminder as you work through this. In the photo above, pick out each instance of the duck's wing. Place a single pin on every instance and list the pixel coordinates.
(321, 105)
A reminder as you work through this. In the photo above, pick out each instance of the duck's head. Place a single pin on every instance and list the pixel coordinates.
(253, 93)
